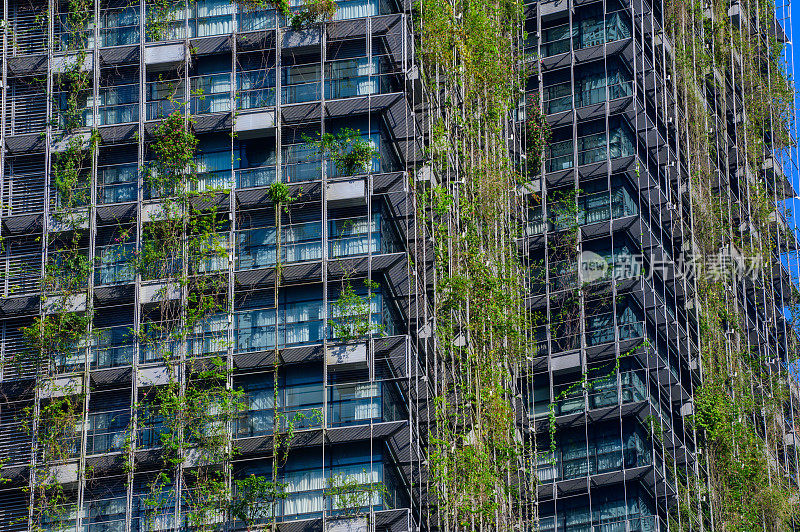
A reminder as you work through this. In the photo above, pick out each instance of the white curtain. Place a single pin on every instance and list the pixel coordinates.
(304, 489)
(214, 17)
(352, 236)
(368, 401)
(350, 9)
(301, 321)
(302, 242)
(255, 330)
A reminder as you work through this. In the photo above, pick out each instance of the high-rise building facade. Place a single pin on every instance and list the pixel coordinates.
(396, 266)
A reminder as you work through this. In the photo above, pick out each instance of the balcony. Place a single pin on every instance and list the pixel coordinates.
(262, 176)
(119, 26)
(210, 94)
(607, 450)
(114, 264)
(558, 97)
(357, 404)
(591, 149)
(164, 97)
(255, 89)
(592, 208)
(589, 28)
(300, 323)
(118, 104)
(106, 515)
(303, 241)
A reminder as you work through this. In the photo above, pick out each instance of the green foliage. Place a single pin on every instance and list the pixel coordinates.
(256, 499)
(537, 135)
(737, 407)
(278, 193)
(313, 12)
(350, 153)
(350, 497)
(174, 146)
(70, 175)
(352, 314)
(53, 338)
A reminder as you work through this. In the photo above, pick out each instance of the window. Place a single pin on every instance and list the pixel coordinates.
(119, 26)
(107, 431)
(300, 83)
(589, 28)
(299, 317)
(112, 347)
(117, 184)
(115, 264)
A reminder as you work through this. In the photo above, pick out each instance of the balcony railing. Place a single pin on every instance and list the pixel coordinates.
(303, 242)
(262, 176)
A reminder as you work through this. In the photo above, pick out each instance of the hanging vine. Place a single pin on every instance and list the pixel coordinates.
(738, 408)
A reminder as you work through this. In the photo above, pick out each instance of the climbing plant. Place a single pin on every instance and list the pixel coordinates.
(738, 406)
(349, 496)
(347, 149)
(469, 51)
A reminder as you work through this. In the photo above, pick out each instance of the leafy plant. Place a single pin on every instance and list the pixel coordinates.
(255, 499)
(349, 496)
(350, 153)
(352, 314)
(313, 12)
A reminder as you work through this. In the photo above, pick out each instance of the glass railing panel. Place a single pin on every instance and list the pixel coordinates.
(255, 177)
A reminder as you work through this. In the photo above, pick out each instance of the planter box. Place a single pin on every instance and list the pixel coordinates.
(346, 357)
(64, 473)
(59, 304)
(62, 387)
(65, 63)
(254, 124)
(299, 41)
(164, 56)
(155, 376)
(347, 524)
(347, 193)
(565, 363)
(156, 292)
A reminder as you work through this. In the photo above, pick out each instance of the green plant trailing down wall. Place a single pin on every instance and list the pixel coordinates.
(469, 50)
(739, 406)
